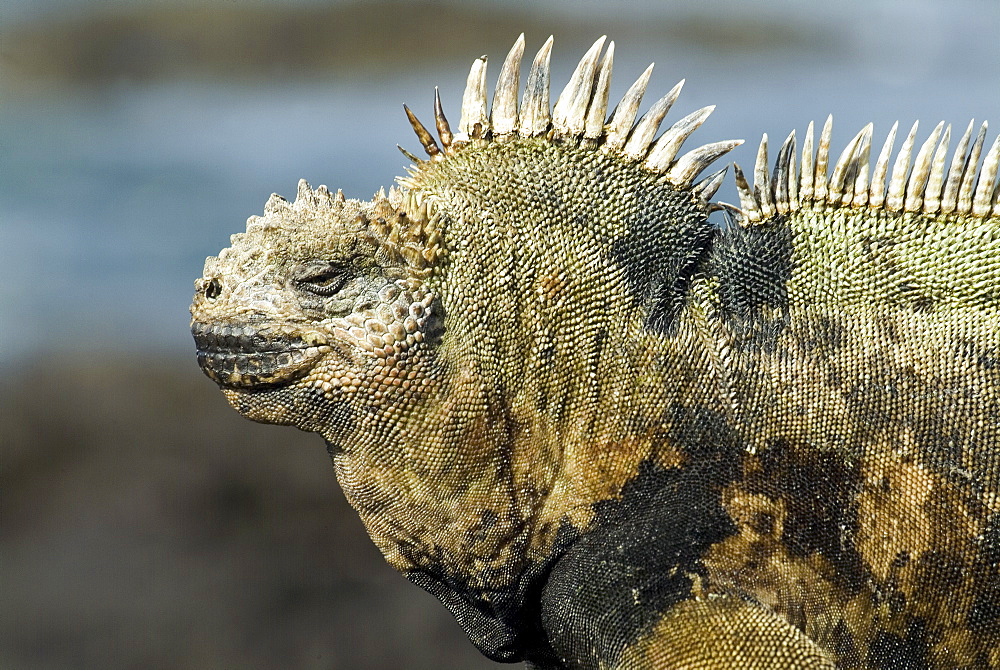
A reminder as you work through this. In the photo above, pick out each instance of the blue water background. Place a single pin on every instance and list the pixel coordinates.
(112, 194)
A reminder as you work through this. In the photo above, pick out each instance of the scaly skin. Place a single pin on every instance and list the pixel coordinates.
(465, 449)
(605, 433)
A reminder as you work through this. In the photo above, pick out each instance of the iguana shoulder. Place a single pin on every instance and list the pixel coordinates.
(605, 432)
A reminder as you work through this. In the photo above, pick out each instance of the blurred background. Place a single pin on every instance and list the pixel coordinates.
(142, 522)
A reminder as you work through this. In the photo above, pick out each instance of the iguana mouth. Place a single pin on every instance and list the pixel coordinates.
(247, 357)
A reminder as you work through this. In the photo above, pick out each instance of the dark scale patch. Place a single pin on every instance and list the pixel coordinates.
(985, 357)
(299, 406)
(660, 261)
(944, 445)
(889, 651)
(985, 613)
(942, 570)
(819, 491)
(822, 336)
(639, 558)
(844, 645)
(504, 624)
(707, 439)
(753, 266)
(896, 602)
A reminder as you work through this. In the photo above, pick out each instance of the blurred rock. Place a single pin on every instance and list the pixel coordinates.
(146, 524)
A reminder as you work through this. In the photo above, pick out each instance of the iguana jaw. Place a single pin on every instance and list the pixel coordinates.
(245, 357)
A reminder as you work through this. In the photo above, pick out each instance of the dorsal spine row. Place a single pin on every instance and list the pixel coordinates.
(578, 116)
(927, 184)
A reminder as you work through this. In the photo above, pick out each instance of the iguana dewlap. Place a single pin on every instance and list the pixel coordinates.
(606, 433)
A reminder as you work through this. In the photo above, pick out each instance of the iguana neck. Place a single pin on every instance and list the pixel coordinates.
(564, 334)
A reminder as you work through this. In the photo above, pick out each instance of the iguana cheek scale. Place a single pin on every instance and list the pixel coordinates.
(606, 433)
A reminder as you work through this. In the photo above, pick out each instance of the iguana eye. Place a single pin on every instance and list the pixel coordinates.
(323, 279)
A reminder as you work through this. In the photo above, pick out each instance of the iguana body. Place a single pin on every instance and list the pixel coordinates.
(605, 433)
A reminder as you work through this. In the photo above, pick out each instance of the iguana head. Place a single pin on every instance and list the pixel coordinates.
(472, 344)
(319, 301)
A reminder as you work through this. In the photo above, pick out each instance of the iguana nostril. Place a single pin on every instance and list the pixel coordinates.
(213, 289)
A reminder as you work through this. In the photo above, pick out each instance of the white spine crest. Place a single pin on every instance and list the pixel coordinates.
(926, 183)
(578, 116)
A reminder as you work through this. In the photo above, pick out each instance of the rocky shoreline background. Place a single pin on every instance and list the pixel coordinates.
(146, 524)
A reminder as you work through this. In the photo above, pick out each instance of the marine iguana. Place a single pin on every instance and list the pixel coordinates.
(607, 433)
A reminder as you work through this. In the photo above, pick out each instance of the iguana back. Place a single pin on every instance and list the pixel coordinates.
(605, 432)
